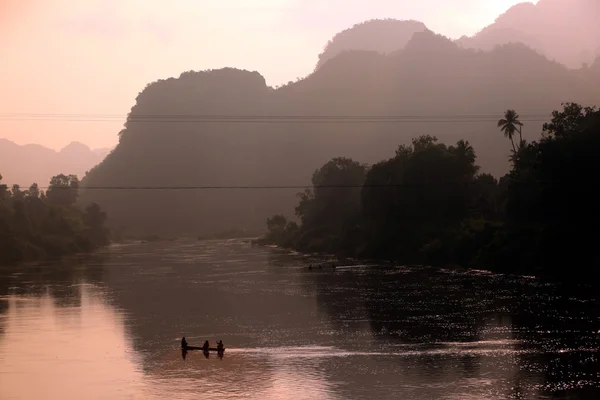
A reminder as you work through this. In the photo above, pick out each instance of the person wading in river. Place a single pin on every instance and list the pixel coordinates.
(183, 343)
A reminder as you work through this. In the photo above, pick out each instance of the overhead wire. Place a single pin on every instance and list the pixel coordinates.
(201, 118)
(198, 118)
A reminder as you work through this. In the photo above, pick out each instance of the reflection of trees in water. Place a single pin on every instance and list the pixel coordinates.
(420, 306)
(61, 280)
(4, 285)
(417, 308)
(213, 291)
(558, 327)
(428, 308)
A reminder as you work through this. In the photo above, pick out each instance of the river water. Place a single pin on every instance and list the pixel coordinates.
(108, 326)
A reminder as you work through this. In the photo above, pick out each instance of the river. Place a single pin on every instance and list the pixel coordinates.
(108, 326)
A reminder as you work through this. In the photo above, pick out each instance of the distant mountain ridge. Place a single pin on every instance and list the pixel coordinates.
(381, 35)
(33, 163)
(431, 77)
(415, 73)
(566, 31)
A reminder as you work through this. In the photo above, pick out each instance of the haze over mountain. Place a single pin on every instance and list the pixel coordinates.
(32, 163)
(565, 31)
(382, 36)
(167, 142)
(153, 41)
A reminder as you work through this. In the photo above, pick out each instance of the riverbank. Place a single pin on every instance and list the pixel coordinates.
(124, 238)
(37, 226)
(430, 204)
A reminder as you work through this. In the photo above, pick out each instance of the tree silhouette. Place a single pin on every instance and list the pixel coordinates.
(33, 226)
(3, 189)
(509, 125)
(63, 190)
(430, 77)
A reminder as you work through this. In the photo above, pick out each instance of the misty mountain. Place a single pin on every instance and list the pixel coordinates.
(457, 94)
(565, 31)
(26, 164)
(382, 36)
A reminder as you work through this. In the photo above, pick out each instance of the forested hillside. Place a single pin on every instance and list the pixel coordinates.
(430, 204)
(431, 87)
(37, 224)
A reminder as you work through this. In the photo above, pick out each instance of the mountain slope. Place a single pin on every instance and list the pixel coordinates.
(382, 36)
(33, 163)
(167, 142)
(564, 30)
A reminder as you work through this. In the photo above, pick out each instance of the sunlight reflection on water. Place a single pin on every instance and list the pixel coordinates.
(110, 328)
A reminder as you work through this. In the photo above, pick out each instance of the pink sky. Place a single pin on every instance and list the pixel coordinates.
(94, 56)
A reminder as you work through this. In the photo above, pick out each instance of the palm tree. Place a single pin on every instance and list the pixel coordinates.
(509, 125)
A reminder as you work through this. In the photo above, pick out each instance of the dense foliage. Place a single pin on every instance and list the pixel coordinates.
(168, 141)
(428, 204)
(34, 224)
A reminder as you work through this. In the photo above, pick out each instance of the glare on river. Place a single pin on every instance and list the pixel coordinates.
(109, 326)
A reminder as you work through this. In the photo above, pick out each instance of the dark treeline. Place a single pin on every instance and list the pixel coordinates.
(429, 204)
(167, 141)
(36, 225)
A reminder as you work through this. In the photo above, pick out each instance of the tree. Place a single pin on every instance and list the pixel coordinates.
(551, 196)
(486, 197)
(510, 125)
(34, 191)
(3, 189)
(335, 193)
(33, 227)
(281, 232)
(94, 219)
(571, 120)
(276, 224)
(330, 211)
(16, 192)
(63, 190)
(410, 200)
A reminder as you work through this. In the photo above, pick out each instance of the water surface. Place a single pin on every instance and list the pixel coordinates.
(108, 326)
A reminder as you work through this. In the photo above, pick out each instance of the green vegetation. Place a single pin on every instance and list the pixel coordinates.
(35, 225)
(428, 204)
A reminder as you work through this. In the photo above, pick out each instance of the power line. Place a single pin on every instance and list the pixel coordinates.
(243, 187)
(199, 118)
(262, 116)
(295, 187)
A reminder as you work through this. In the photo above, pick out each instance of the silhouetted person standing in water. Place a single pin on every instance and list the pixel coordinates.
(220, 346)
(183, 343)
(205, 346)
